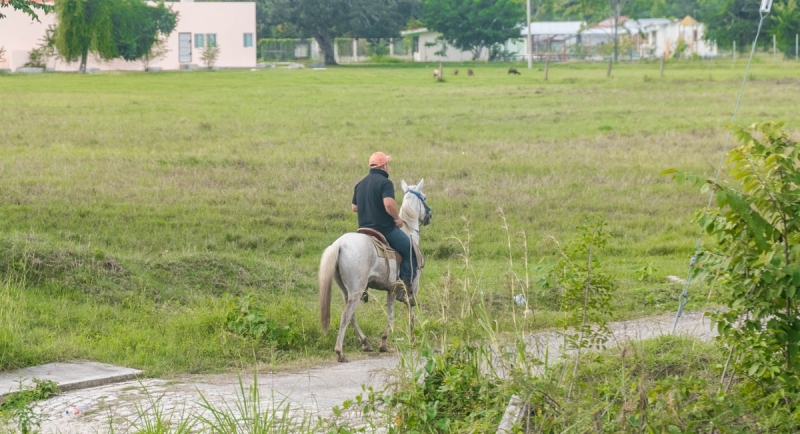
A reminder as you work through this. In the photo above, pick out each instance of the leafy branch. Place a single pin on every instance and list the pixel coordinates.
(587, 291)
(755, 258)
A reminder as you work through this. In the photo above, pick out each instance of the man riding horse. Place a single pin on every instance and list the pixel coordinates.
(373, 200)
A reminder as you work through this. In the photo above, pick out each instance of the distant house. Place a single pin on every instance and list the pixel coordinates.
(641, 38)
(425, 47)
(553, 37)
(664, 39)
(231, 25)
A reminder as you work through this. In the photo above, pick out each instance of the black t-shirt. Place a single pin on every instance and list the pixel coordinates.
(368, 197)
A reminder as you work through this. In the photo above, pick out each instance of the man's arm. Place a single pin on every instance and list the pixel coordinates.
(354, 207)
(391, 208)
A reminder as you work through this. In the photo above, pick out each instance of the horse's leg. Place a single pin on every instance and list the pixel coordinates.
(365, 346)
(347, 316)
(390, 311)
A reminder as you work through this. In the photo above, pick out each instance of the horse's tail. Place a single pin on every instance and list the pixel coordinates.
(327, 268)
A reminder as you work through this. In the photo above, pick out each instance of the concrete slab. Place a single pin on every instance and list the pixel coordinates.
(69, 376)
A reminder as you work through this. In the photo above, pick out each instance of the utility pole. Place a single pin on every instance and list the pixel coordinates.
(530, 52)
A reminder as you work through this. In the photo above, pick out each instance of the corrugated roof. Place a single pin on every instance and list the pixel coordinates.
(554, 28)
(416, 31)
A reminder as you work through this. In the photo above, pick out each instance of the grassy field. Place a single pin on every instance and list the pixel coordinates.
(134, 206)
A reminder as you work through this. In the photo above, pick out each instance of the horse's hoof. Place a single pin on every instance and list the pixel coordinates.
(342, 359)
(383, 348)
(366, 348)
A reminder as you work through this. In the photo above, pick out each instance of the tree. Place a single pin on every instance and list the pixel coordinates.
(84, 25)
(699, 9)
(735, 21)
(27, 6)
(138, 26)
(210, 53)
(598, 10)
(785, 25)
(110, 28)
(755, 258)
(46, 50)
(472, 25)
(326, 19)
(157, 52)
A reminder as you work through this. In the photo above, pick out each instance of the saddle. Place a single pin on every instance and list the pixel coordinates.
(381, 245)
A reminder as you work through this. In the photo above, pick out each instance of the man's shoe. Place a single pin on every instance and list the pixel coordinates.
(403, 288)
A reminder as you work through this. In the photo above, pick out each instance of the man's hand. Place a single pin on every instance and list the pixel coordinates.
(391, 209)
(354, 207)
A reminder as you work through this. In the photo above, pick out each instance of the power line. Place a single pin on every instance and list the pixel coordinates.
(766, 5)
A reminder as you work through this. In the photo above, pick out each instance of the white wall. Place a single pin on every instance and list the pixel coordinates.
(18, 34)
(453, 54)
(667, 36)
(229, 21)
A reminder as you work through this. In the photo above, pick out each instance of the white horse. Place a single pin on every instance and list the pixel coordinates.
(354, 263)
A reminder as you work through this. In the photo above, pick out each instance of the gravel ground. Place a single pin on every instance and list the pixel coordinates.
(312, 392)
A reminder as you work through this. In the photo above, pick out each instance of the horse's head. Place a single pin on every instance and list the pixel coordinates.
(414, 196)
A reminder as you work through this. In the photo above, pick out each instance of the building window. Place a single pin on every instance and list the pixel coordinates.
(248, 40)
(211, 39)
(198, 40)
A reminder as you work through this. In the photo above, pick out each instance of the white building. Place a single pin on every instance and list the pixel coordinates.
(663, 39)
(231, 25)
(640, 38)
(426, 44)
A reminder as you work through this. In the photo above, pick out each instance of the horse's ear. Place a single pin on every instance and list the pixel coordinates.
(403, 185)
(420, 185)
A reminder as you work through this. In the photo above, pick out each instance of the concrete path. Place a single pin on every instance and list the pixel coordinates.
(312, 392)
(69, 376)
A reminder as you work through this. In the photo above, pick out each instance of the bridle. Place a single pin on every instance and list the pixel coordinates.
(426, 220)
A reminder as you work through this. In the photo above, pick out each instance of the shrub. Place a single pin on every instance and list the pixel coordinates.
(247, 318)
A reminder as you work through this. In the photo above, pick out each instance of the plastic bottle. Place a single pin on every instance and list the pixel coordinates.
(77, 409)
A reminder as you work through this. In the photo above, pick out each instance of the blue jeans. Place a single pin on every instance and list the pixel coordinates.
(400, 242)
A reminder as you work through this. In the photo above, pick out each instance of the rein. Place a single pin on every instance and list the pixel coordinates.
(428, 212)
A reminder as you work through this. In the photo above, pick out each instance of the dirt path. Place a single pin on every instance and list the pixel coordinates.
(316, 390)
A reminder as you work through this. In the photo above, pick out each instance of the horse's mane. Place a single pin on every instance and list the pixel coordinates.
(407, 214)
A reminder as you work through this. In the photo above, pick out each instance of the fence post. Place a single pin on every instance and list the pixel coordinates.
(355, 49)
(734, 51)
(662, 64)
(796, 40)
(546, 66)
(774, 49)
(610, 62)
(391, 47)
(336, 51)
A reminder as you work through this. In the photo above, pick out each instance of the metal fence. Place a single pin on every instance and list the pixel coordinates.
(287, 50)
(346, 50)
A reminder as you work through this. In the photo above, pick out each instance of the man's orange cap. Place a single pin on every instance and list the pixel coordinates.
(378, 159)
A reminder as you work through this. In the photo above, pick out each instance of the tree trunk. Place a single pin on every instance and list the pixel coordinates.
(84, 56)
(476, 52)
(326, 45)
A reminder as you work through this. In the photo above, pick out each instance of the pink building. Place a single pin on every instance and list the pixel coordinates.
(231, 25)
